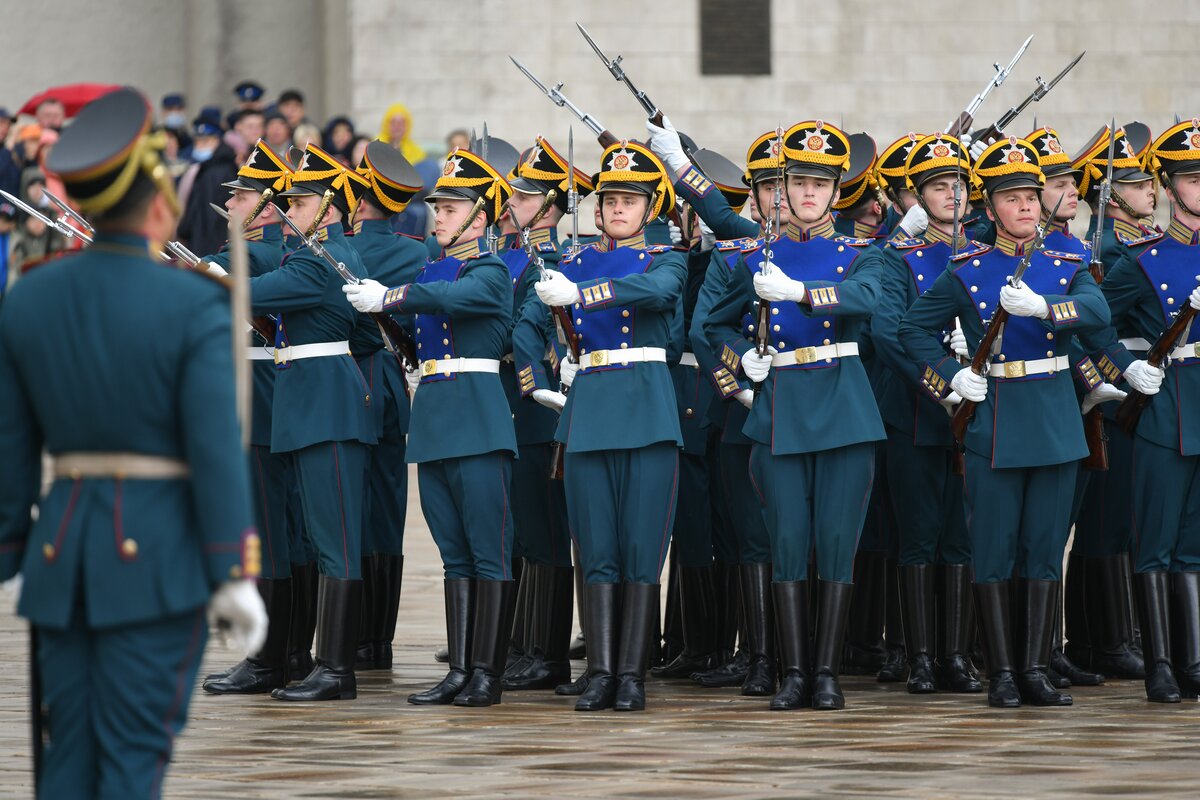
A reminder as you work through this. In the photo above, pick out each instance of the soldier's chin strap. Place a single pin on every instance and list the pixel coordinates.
(1169, 185)
(652, 201)
(466, 223)
(326, 201)
(263, 199)
(544, 208)
(1123, 204)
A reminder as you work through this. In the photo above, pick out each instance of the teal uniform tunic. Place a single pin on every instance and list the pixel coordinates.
(1024, 440)
(461, 433)
(815, 422)
(270, 473)
(392, 259)
(117, 571)
(1145, 290)
(925, 494)
(321, 413)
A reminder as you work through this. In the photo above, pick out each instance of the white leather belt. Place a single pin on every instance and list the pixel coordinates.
(1185, 351)
(118, 465)
(809, 355)
(1136, 344)
(317, 350)
(1019, 369)
(448, 366)
(689, 360)
(606, 358)
(260, 353)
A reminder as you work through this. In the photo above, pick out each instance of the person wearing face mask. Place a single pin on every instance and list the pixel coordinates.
(1026, 435)
(814, 420)
(173, 113)
(214, 164)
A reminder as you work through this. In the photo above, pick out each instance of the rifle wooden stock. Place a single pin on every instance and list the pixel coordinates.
(1131, 408)
(966, 409)
(961, 125)
(1097, 441)
(563, 321)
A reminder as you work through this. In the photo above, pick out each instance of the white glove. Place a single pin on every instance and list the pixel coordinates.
(412, 378)
(755, 366)
(976, 149)
(557, 290)
(915, 221)
(676, 234)
(1194, 299)
(665, 143)
(566, 372)
(237, 608)
(950, 402)
(745, 397)
(958, 343)
(1101, 394)
(215, 269)
(708, 239)
(969, 385)
(1144, 378)
(366, 296)
(774, 286)
(550, 399)
(1021, 301)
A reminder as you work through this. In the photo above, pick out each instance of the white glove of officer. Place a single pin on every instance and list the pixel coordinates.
(745, 397)
(755, 366)
(1144, 378)
(676, 234)
(976, 149)
(958, 343)
(557, 290)
(969, 385)
(1021, 301)
(215, 269)
(412, 377)
(366, 296)
(915, 221)
(1194, 299)
(665, 143)
(566, 372)
(237, 609)
(708, 239)
(550, 399)
(950, 402)
(775, 287)
(1103, 393)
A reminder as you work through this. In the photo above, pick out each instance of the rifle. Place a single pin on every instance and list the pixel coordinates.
(57, 224)
(1096, 265)
(983, 353)
(1131, 408)
(993, 132)
(492, 238)
(1097, 441)
(397, 340)
(963, 123)
(762, 330)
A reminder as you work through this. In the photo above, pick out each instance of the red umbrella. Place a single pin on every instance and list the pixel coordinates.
(73, 96)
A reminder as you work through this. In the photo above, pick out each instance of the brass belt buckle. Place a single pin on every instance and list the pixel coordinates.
(598, 358)
(279, 359)
(428, 367)
(1196, 350)
(805, 355)
(1014, 369)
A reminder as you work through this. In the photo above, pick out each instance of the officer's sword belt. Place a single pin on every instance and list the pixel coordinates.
(613, 358)
(316, 350)
(1021, 369)
(448, 366)
(119, 465)
(810, 355)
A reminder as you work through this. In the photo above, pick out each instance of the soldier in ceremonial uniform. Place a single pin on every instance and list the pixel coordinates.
(860, 211)
(1026, 434)
(620, 424)
(925, 493)
(461, 433)
(815, 421)
(149, 515)
(1134, 196)
(1145, 289)
(391, 259)
(253, 206)
(540, 186)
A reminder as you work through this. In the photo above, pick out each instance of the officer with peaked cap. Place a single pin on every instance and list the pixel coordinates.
(1020, 453)
(148, 516)
(461, 432)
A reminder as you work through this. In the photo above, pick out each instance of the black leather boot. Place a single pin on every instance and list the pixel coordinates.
(1078, 612)
(332, 678)
(547, 665)
(519, 643)
(834, 606)
(865, 653)
(494, 601)
(727, 612)
(669, 644)
(697, 613)
(1036, 633)
(1111, 630)
(364, 654)
(460, 619)
(895, 659)
(600, 681)
(792, 614)
(761, 673)
(916, 611)
(389, 572)
(1185, 611)
(1152, 590)
(304, 621)
(953, 668)
(1060, 663)
(992, 601)
(266, 669)
(578, 648)
(639, 608)
(733, 672)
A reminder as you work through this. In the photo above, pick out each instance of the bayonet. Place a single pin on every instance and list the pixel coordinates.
(572, 191)
(490, 234)
(83, 224)
(1096, 264)
(963, 123)
(614, 67)
(762, 335)
(990, 133)
(59, 224)
(559, 99)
